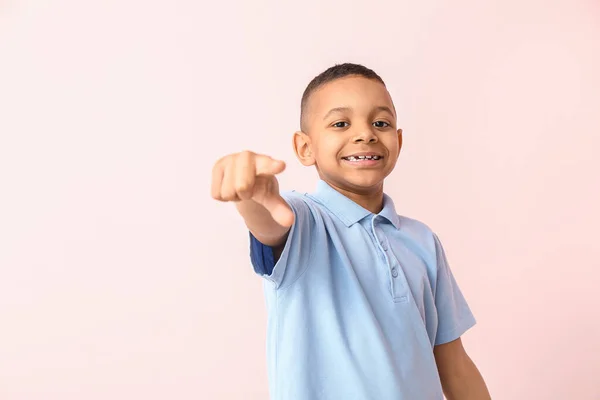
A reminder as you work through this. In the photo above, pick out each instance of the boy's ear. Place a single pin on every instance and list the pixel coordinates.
(399, 141)
(302, 147)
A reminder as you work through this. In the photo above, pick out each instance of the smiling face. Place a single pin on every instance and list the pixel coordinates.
(350, 134)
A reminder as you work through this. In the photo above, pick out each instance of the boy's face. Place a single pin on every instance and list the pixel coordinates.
(346, 120)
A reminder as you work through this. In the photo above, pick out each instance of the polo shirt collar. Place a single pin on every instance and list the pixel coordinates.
(347, 210)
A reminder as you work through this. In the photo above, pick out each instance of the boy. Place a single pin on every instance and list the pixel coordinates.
(361, 301)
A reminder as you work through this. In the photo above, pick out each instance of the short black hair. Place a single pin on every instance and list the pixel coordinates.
(338, 71)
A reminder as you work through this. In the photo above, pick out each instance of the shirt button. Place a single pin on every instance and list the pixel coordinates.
(395, 272)
(384, 245)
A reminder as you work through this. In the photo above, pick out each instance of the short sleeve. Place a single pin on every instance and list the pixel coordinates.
(296, 253)
(454, 314)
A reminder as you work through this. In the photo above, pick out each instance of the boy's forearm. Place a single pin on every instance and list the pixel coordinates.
(465, 383)
(260, 222)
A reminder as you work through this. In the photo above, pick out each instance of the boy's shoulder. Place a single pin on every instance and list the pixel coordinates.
(314, 213)
(406, 224)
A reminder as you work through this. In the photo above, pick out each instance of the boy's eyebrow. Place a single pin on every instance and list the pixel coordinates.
(384, 108)
(344, 109)
(336, 110)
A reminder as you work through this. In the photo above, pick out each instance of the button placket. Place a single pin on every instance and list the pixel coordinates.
(380, 243)
(383, 244)
(397, 285)
(393, 270)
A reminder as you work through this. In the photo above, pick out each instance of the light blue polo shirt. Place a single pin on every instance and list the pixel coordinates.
(356, 303)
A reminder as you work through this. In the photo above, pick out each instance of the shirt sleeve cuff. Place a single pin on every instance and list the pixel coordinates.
(262, 257)
(466, 323)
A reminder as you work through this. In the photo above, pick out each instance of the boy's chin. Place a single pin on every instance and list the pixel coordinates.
(362, 181)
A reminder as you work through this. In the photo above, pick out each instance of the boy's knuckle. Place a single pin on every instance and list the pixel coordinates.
(242, 188)
(246, 155)
(228, 196)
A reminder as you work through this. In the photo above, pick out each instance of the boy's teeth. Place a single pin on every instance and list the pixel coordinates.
(358, 158)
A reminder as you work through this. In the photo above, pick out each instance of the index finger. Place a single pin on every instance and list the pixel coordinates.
(266, 165)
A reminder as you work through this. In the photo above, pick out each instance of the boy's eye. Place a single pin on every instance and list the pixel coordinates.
(381, 124)
(341, 124)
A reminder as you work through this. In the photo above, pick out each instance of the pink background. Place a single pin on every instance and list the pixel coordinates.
(120, 278)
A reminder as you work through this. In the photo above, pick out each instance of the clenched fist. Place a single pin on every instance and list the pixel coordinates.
(249, 176)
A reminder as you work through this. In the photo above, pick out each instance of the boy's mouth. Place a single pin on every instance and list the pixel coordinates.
(363, 157)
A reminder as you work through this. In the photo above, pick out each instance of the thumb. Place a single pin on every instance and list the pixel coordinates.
(280, 210)
(266, 165)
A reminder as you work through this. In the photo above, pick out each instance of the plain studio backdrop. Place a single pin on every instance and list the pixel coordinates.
(120, 277)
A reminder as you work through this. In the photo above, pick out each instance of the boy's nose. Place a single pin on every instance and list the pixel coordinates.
(365, 136)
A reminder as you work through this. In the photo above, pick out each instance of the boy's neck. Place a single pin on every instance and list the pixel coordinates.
(370, 200)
